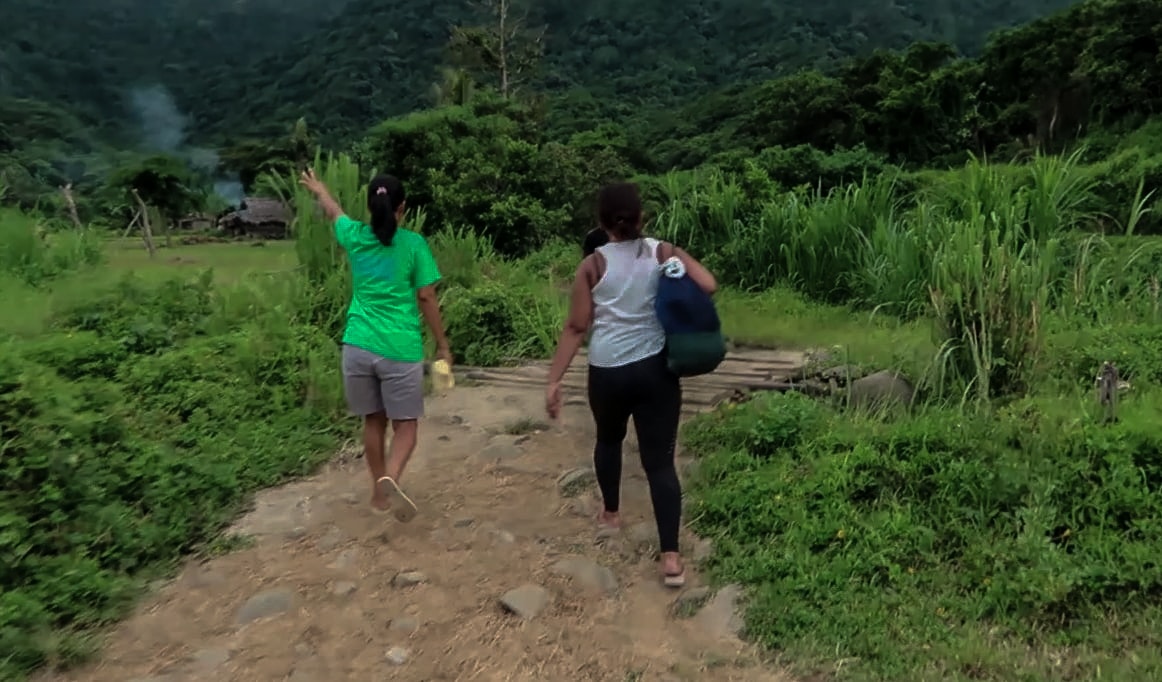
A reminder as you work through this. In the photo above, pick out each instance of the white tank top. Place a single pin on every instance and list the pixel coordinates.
(625, 326)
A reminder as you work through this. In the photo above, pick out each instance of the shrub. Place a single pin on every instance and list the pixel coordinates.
(938, 546)
(131, 436)
(494, 323)
(30, 252)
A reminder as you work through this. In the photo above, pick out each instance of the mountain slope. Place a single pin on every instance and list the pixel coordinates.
(88, 55)
(380, 58)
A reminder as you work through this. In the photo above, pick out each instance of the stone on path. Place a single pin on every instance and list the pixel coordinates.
(330, 540)
(644, 536)
(703, 548)
(587, 573)
(573, 482)
(503, 447)
(526, 601)
(265, 605)
(343, 588)
(882, 389)
(688, 603)
(409, 579)
(397, 655)
(209, 659)
(720, 616)
(404, 625)
(344, 561)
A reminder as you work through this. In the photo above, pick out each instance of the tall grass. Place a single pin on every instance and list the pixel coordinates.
(323, 262)
(984, 251)
(29, 252)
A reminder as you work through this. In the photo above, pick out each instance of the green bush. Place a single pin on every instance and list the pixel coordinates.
(129, 437)
(495, 323)
(30, 252)
(901, 547)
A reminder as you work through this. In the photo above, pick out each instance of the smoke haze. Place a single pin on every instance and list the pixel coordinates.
(163, 129)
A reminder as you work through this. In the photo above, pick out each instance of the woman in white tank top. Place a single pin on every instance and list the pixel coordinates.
(613, 297)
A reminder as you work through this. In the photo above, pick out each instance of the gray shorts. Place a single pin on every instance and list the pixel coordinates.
(374, 384)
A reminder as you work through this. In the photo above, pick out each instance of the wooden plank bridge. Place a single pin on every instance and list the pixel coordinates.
(742, 371)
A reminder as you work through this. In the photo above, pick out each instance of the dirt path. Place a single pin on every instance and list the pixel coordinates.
(330, 591)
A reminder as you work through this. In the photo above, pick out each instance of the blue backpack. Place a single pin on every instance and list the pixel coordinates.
(694, 341)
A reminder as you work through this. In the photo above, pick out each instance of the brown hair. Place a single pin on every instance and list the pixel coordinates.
(619, 207)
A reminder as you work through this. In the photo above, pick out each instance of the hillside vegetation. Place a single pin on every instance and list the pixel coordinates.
(256, 66)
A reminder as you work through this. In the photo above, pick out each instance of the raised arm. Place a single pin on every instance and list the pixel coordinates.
(331, 208)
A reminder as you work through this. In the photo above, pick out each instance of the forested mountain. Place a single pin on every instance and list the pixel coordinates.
(88, 56)
(382, 58)
(244, 66)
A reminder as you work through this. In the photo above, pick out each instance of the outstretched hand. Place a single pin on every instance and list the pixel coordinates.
(311, 182)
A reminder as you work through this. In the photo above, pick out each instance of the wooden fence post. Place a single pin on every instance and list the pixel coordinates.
(1107, 391)
(146, 232)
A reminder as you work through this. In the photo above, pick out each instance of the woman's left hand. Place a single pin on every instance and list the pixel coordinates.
(553, 400)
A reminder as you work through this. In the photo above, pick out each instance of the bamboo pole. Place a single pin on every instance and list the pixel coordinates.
(146, 232)
(67, 191)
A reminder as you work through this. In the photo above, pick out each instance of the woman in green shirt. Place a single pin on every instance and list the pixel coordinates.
(393, 282)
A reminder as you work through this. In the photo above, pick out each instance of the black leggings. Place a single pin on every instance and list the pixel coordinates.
(652, 395)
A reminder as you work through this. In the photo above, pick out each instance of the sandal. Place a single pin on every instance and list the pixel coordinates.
(401, 505)
(605, 529)
(677, 579)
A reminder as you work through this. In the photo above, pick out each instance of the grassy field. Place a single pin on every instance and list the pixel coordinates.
(997, 531)
(230, 261)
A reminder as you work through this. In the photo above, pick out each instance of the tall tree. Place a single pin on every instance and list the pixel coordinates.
(502, 48)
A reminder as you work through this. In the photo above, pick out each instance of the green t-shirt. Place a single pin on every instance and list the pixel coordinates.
(384, 316)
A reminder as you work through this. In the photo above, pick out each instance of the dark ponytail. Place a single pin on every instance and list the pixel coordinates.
(619, 207)
(384, 197)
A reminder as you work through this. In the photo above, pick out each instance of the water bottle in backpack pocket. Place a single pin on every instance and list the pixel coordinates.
(694, 341)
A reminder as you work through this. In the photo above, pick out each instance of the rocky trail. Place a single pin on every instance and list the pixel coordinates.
(502, 576)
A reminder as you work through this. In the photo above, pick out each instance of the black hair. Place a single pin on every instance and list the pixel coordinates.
(384, 196)
(619, 207)
(595, 239)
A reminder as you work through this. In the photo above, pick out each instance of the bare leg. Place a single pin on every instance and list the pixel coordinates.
(374, 434)
(403, 444)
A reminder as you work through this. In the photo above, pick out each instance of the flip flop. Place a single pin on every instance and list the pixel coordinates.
(674, 580)
(401, 505)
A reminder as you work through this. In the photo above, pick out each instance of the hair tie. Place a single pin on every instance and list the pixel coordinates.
(381, 190)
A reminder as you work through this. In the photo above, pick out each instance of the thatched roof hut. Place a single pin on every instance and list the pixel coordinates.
(258, 217)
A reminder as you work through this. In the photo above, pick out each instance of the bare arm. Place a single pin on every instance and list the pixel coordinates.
(331, 208)
(430, 309)
(580, 318)
(698, 272)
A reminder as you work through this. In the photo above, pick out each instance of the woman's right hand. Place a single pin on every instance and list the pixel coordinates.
(553, 400)
(444, 353)
(311, 182)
